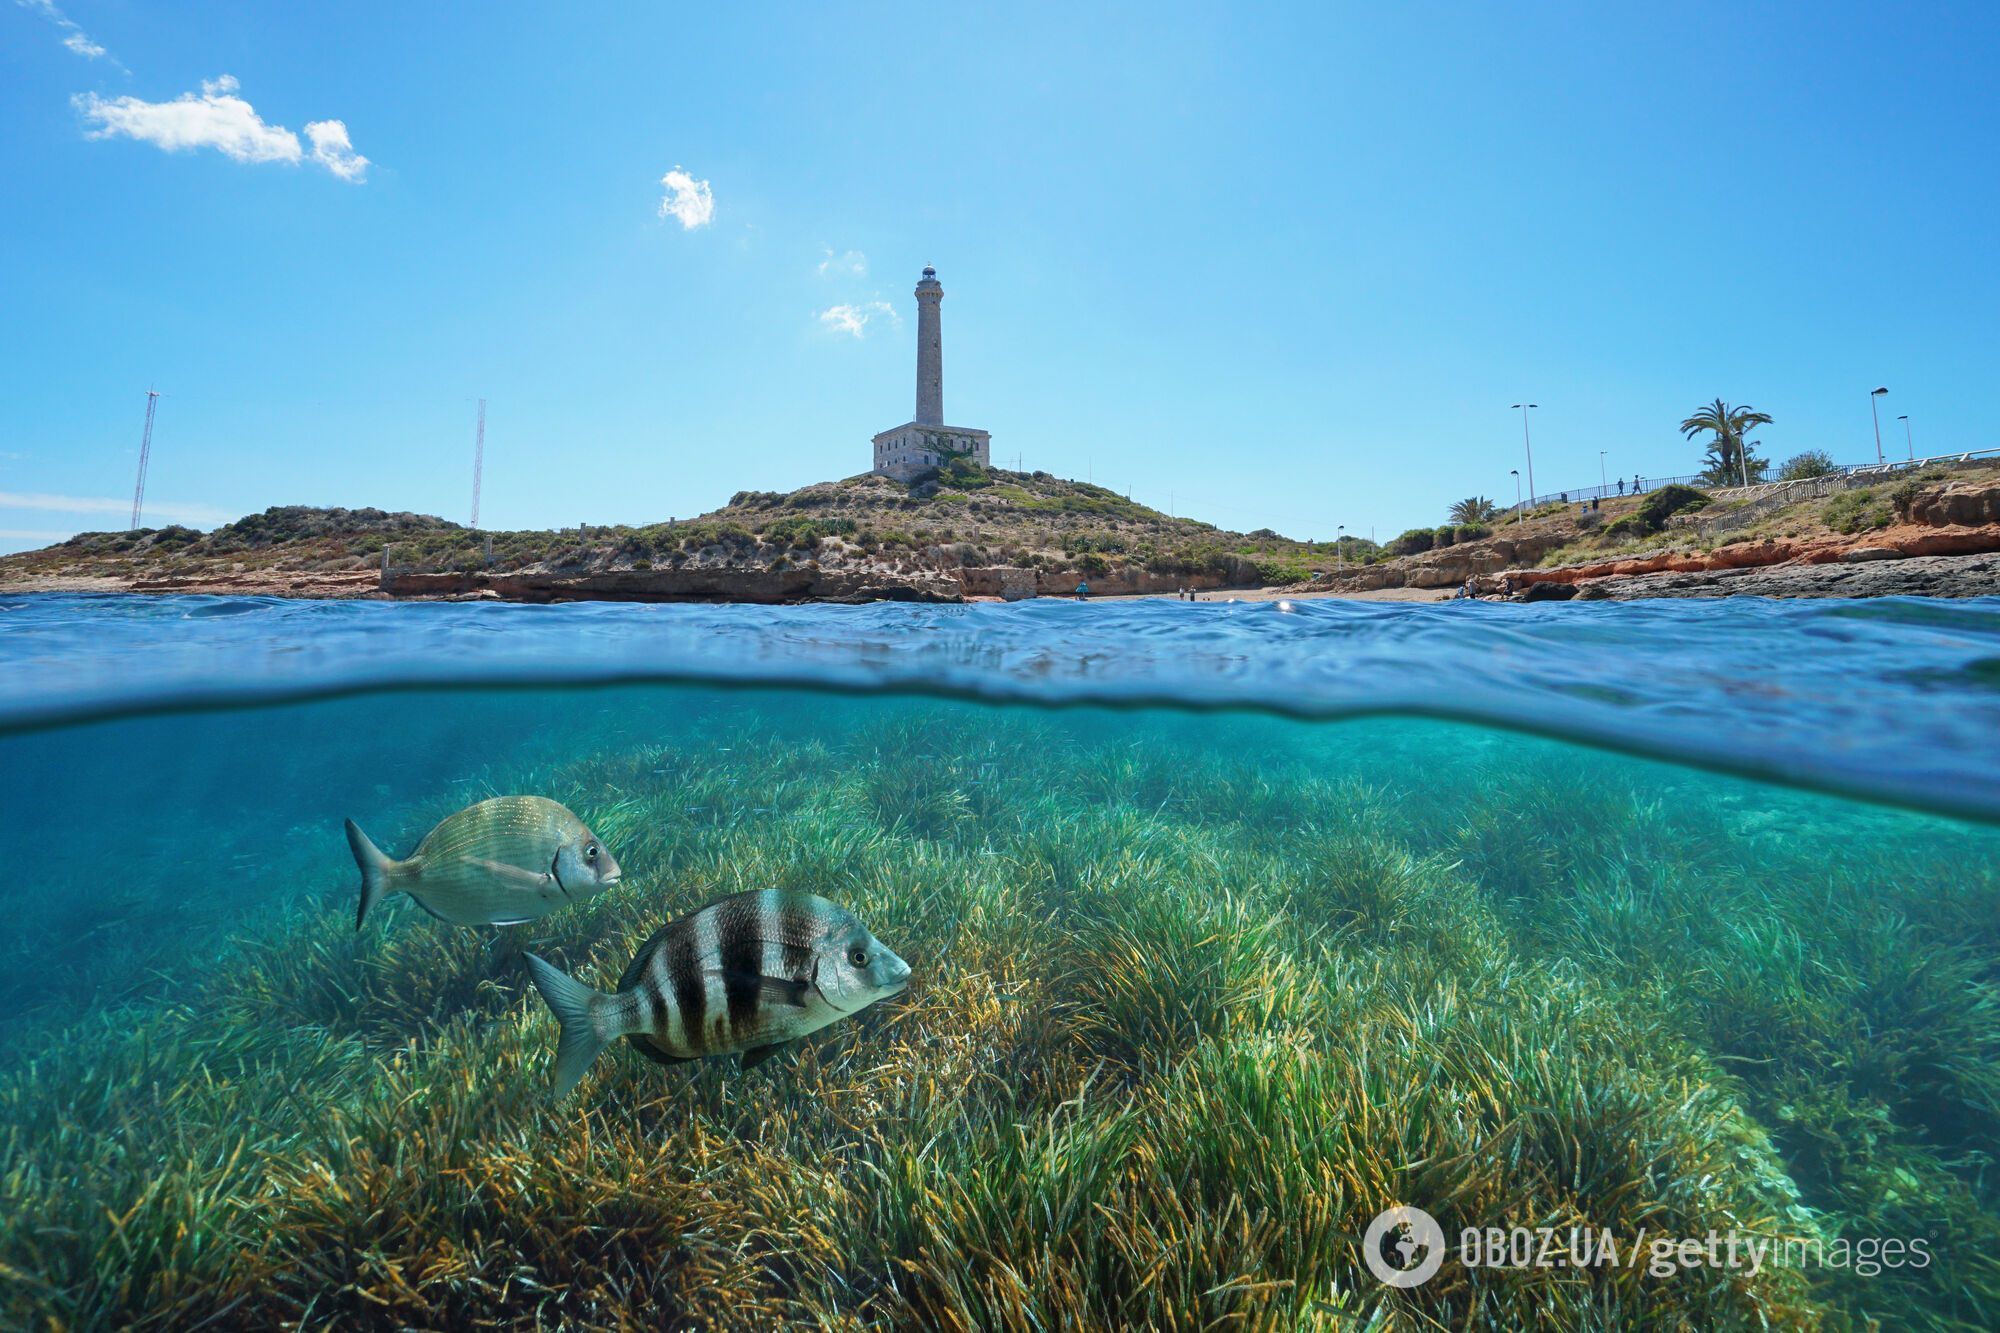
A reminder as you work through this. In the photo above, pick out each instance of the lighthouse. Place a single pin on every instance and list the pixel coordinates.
(930, 350)
(907, 451)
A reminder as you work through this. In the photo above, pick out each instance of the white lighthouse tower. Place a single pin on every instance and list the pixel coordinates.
(910, 449)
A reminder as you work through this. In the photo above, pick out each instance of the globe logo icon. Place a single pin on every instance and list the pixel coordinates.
(1403, 1246)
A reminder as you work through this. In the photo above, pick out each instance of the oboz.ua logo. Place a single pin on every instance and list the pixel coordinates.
(1404, 1247)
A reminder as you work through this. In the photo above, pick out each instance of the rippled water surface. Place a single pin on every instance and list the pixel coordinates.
(1893, 697)
(1232, 925)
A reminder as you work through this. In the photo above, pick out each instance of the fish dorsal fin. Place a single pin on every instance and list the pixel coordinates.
(757, 1055)
(777, 990)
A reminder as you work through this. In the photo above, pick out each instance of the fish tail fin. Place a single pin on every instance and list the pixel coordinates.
(576, 1007)
(375, 866)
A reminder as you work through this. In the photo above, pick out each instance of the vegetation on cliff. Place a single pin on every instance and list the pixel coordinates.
(956, 516)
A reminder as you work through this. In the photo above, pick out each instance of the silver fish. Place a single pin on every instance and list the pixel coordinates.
(750, 973)
(498, 863)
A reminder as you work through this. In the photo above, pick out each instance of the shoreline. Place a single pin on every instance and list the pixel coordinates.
(1946, 577)
(1940, 541)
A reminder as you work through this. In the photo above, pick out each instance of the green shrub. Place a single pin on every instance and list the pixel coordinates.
(1904, 496)
(1811, 463)
(1660, 505)
(1629, 528)
(1653, 513)
(1858, 511)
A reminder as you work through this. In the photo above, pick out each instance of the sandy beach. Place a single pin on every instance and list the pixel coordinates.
(1290, 595)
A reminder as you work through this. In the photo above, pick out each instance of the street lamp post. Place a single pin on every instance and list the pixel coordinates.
(1338, 533)
(1602, 484)
(1908, 439)
(1528, 445)
(1519, 513)
(1877, 415)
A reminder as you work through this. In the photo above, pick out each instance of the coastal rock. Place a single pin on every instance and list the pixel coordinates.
(1013, 583)
(1449, 567)
(1955, 504)
(795, 583)
(1887, 546)
(1916, 576)
(325, 585)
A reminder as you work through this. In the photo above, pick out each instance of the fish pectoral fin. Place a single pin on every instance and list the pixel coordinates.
(512, 876)
(757, 1055)
(655, 1054)
(778, 990)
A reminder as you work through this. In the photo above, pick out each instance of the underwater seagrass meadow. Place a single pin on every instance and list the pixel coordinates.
(1196, 995)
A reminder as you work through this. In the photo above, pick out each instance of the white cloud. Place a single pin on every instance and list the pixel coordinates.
(75, 38)
(854, 320)
(217, 118)
(851, 264)
(688, 200)
(333, 150)
(33, 535)
(198, 515)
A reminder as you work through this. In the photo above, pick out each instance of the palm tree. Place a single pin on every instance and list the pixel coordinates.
(1474, 509)
(1728, 457)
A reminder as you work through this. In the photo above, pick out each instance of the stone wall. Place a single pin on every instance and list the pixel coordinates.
(910, 450)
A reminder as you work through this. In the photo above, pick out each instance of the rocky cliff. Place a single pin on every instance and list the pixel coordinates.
(1942, 544)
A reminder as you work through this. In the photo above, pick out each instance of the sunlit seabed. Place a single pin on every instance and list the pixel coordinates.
(1197, 995)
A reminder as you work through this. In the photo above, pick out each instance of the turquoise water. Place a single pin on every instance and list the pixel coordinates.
(1233, 925)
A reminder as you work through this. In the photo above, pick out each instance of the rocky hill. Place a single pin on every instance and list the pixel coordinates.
(1931, 533)
(962, 530)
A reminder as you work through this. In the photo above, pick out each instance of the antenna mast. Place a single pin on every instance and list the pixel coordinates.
(145, 454)
(478, 460)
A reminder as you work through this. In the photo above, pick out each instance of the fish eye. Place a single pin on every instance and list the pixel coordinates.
(858, 957)
(590, 852)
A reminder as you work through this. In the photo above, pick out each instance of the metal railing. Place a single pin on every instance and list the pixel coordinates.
(1640, 484)
(1635, 485)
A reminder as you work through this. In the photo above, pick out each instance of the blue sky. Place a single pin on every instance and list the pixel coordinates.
(1286, 269)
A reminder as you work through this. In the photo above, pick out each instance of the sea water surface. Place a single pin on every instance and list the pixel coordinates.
(1233, 924)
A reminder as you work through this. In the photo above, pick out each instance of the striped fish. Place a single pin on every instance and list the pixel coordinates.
(497, 863)
(749, 973)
